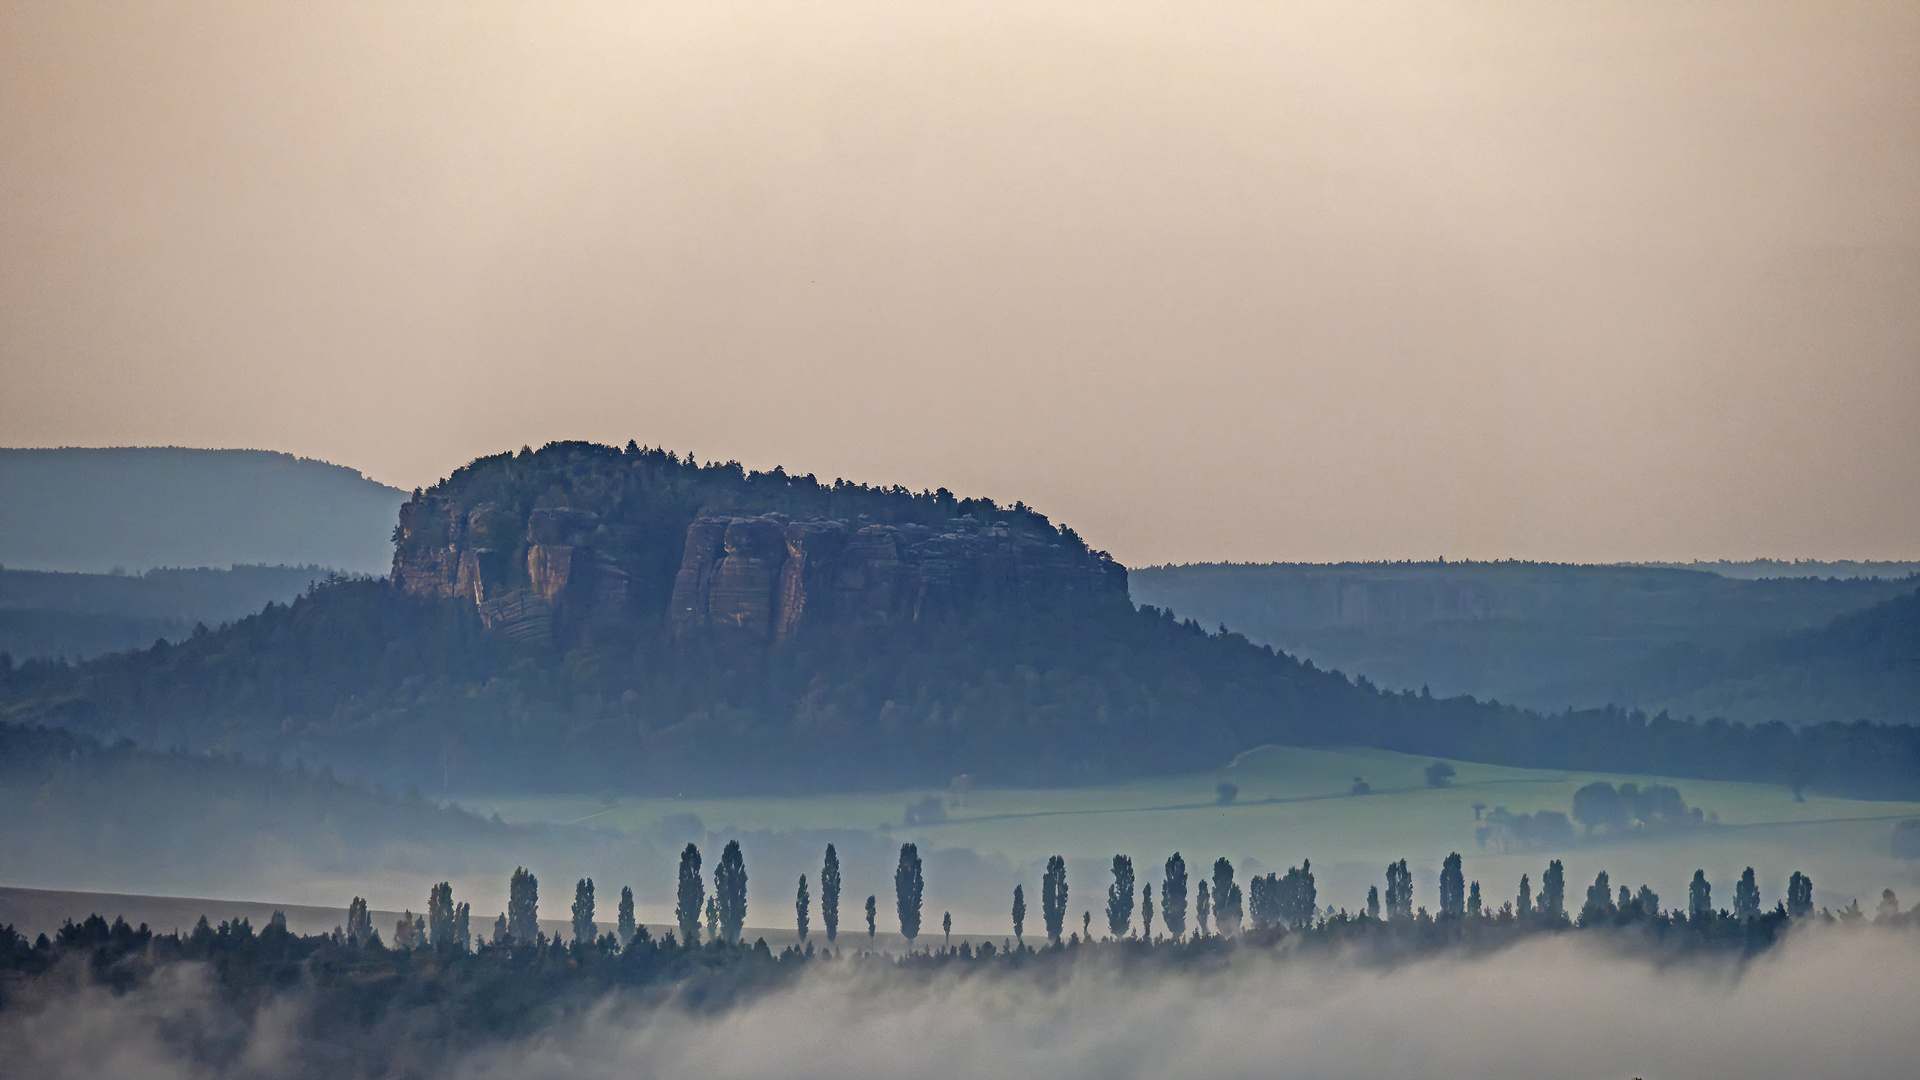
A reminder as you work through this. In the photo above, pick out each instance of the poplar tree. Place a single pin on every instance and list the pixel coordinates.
(1399, 895)
(1553, 893)
(1473, 900)
(1019, 914)
(908, 886)
(1203, 907)
(440, 916)
(359, 925)
(462, 926)
(1120, 897)
(1746, 897)
(1453, 887)
(1053, 898)
(584, 932)
(1799, 895)
(800, 909)
(1146, 912)
(830, 894)
(626, 925)
(1523, 905)
(523, 906)
(692, 896)
(1599, 901)
(946, 928)
(1227, 915)
(1223, 888)
(1173, 897)
(872, 908)
(730, 891)
(1373, 901)
(713, 919)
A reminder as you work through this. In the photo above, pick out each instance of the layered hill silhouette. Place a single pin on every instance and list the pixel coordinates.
(591, 618)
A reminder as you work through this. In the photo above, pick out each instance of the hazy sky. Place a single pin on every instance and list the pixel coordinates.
(1206, 281)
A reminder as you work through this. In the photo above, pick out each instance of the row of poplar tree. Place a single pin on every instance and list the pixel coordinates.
(1220, 905)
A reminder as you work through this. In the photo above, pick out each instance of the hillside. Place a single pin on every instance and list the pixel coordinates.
(1541, 635)
(53, 614)
(1864, 665)
(91, 510)
(590, 619)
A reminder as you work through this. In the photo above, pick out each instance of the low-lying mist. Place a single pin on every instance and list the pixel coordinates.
(1829, 1001)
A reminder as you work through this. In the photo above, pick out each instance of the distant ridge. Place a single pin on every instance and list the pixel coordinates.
(94, 509)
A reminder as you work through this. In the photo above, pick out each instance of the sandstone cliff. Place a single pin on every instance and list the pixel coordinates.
(627, 541)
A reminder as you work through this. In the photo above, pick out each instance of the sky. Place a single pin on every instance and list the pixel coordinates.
(1303, 281)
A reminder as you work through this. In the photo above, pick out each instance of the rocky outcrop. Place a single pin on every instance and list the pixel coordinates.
(767, 576)
(764, 577)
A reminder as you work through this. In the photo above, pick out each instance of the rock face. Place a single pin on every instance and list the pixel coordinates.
(764, 577)
(767, 576)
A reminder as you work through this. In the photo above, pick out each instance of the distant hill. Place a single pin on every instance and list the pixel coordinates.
(48, 614)
(1864, 665)
(588, 618)
(91, 510)
(1542, 635)
(1753, 569)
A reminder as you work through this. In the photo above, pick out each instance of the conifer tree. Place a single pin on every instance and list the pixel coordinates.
(691, 897)
(1053, 898)
(1146, 912)
(1203, 907)
(800, 909)
(730, 891)
(625, 927)
(1120, 897)
(1553, 893)
(523, 906)
(1019, 915)
(872, 908)
(1173, 897)
(584, 932)
(830, 894)
(1453, 888)
(908, 886)
(1746, 897)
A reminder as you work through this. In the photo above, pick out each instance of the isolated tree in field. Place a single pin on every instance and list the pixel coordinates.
(1222, 891)
(1599, 804)
(1173, 897)
(625, 928)
(440, 916)
(1453, 887)
(1053, 898)
(800, 909)
(1799, 895)
(1120, 897)
(1746, 897)
(359, 926)
(1373, 901)
(523, 906)
(1553, 892)
(583, 930)
(691, 898)
(1146, 912)
(946, 928)
(872, 910)
(730, 891)
(908, 885)
(1599, 903)
(1523, 905)
(1473, 900)
(1019, 915)
(830, 894)
(1203, 907)
(1438, 774)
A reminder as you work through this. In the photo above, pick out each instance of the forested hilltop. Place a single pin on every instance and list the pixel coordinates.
(590, 618)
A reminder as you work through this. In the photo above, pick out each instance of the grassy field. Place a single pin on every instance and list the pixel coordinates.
(1292, 803)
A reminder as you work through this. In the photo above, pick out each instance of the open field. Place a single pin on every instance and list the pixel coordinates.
(1292, 803)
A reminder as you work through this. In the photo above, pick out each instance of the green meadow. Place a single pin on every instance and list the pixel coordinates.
(1296, 803)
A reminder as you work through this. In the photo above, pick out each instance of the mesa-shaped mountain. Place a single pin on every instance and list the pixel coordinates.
(590, 618)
